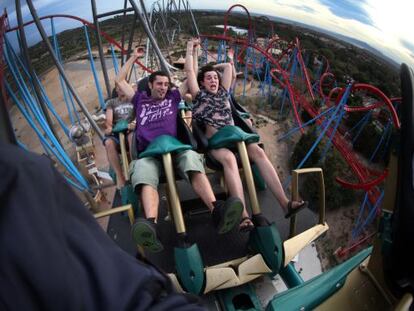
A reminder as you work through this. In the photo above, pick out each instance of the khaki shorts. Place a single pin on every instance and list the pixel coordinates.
(147, 171)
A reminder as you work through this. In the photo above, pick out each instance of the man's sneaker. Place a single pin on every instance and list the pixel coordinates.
(227, 214)
(144, 233)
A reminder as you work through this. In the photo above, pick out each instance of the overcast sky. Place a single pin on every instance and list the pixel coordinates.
(385, 25)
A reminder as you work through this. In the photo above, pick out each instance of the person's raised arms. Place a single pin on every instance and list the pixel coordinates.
(189, 67)
(120, 80)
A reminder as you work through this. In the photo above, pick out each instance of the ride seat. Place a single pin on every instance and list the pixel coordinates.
(238, 114)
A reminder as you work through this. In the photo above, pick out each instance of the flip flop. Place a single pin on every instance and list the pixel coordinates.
(292, 211)
(247, 228)
(144, 234)
(227, 214)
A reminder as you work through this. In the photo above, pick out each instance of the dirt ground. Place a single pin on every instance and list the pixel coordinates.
(340, 220)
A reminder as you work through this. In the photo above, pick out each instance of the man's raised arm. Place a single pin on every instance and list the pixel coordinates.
(120, 80)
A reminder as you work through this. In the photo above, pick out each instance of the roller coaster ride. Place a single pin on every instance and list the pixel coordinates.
(283, 75)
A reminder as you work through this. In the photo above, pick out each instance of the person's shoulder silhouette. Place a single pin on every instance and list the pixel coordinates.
(55, 256)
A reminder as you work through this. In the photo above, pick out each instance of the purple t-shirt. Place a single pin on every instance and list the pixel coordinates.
(155, 117)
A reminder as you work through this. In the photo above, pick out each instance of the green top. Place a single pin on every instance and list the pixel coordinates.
(162, 145)
(228, 135)
(120, 126)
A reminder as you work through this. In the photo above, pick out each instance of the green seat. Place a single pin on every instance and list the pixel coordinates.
(228, 135)
(120, 126)
(164, 144)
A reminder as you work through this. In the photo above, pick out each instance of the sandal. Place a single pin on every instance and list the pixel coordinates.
(292, 211)
(246, 225)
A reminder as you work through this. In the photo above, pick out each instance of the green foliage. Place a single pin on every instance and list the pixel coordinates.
(352, 118)
(336, 196)
(301, 149)
(368, 140)
(333, 166)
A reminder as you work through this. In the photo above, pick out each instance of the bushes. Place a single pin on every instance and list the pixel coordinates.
(301, 149)
(333, 166)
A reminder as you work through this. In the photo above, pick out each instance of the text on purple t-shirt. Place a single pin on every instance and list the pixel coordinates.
(155, 117)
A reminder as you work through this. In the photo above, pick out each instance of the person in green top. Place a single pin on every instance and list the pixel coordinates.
(118, 108)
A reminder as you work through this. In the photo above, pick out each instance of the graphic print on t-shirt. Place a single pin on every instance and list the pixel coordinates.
(151, 113)
(123, 111)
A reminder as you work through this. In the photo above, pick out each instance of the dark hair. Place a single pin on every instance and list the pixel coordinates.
(202, 72)
(153, 75)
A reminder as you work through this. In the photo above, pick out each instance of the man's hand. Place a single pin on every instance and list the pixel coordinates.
(230, 55)
(108, 130)
(139, 52)
(196, 43)
(193, 43)
(132, 125)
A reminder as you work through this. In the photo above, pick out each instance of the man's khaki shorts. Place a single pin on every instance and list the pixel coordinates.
(147, 171)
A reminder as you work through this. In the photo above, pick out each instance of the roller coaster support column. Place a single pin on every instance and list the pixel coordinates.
(204, 55)
(101, 54)
(123, 32)
(291, 78)
(144, 21)
(95, 76)
(304, 70)
(60, 68)
(221, 52)
(24, 48)
(131, 36)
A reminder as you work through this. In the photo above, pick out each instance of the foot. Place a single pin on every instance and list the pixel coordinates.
(246, 224)
(227, 214)
(144, 234)
(120, 182)
(294, 207)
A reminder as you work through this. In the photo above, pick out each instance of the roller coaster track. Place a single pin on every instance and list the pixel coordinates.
(92, 26)
(345, 148)
(368, 179)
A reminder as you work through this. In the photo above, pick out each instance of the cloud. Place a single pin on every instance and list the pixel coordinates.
(381, 24)
(407, 44)
(349, 9)
(304, 8)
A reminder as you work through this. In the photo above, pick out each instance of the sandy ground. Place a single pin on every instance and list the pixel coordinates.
(81, 77)
(79, 73)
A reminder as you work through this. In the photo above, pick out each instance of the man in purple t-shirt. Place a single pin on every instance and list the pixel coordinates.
(156, 112)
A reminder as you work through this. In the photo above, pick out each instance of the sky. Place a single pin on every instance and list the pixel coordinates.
(386, 25)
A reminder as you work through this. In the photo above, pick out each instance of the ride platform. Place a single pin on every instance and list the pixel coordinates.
(214, 248)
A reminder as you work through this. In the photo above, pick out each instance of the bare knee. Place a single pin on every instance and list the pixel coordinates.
(228, 160)
(110, 144)
(256, 153)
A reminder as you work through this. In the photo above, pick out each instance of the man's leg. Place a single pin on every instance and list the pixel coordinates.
(150, 201)
(269, 174)
(231, 174)
(202, 187)
(114, 161)
(226, 214)
(145, 177)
